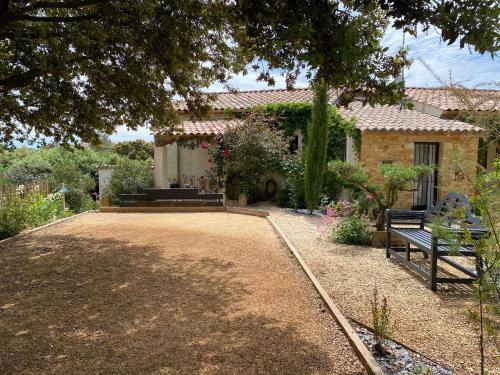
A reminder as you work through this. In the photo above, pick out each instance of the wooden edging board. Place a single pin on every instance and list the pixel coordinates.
(162, 209)
(42, 227)
(234, 210)
(247, 211)
(360, 349)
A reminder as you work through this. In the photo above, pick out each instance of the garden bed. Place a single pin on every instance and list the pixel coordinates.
(434, 324)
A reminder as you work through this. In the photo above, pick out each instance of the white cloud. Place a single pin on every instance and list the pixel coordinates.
(462, 65)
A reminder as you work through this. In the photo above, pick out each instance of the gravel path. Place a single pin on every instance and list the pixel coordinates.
(435, 324)
(206, 293)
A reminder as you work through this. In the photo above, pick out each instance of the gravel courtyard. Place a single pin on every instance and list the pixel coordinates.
(196, 293)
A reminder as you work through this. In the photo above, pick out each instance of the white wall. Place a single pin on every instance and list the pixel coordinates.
(104, 176)
(426, 108)
(194, 162)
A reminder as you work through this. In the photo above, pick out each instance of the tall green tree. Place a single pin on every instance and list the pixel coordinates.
(317, 144)
(135, 150)
(72, 69)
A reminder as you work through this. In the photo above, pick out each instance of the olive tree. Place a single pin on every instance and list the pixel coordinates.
(396, 178)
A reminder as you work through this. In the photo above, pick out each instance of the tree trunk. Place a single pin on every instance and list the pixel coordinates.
(380, 220)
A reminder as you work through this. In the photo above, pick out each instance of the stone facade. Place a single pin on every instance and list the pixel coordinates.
(399, 147)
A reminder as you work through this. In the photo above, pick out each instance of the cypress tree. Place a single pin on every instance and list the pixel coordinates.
(316, 149)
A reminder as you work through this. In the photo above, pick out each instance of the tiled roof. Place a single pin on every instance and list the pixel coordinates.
(392, 118)
(436, 97)
(486, 100)
(210, 127)
(247, 99)
(378, 118)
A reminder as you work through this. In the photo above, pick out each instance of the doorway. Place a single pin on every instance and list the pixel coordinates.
(425, 193)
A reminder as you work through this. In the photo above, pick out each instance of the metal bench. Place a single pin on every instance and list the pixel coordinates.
(409, 226)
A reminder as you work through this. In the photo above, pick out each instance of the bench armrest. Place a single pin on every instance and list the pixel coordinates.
(405, 217)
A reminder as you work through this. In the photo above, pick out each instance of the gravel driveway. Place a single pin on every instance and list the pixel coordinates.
(196, 293)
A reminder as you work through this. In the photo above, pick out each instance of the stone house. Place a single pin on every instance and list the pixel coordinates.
(426, 134)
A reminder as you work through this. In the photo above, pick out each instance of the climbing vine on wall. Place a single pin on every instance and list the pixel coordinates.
(292, 116)
(289, 117)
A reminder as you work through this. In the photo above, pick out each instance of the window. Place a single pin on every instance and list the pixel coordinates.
(294, 144)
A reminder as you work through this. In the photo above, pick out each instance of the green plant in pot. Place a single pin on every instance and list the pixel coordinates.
(396, 178)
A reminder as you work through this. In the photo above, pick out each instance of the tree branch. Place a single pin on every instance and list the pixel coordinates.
(87, 17)
(18, 80)
(61, 5)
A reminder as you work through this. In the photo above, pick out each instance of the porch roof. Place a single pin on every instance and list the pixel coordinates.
(202, 128)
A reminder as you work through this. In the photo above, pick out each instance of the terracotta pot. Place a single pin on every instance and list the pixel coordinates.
(242, 200)
(379, 238)
(105, 201)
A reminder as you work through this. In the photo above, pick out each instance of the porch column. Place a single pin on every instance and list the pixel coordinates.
(350, 155)
(172, 172)
(160, 158)
(491, 155)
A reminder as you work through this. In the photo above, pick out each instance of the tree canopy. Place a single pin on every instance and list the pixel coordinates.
(74, 69)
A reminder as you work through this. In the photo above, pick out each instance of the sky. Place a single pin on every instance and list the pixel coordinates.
(463, 65)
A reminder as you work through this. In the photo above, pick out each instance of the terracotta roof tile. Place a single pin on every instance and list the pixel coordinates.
(378, 118)
(247, 99)
(392, 118)
(207, 128)
(436, 97)
(486, 100)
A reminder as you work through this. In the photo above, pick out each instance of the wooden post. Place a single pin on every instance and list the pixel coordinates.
(388, 235)
(408, 251)
(433, 273)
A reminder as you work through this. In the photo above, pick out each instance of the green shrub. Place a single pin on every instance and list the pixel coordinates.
(292, 192)
(131, 176)
(43, 209)
(24, 210)
(13, 216)
(31, 168)
(352, 230)
(245, 154)
(78, 198)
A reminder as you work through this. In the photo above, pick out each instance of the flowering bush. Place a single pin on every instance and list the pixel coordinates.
(342, 208)
(23, 210)
(244, 154)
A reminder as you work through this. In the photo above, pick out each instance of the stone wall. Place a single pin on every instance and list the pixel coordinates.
(399, 147)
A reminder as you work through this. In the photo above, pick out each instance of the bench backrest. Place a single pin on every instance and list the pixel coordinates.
(450, 204)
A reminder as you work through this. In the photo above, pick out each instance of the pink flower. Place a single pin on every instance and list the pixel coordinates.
(203, 146)
(226, 152)
(369, 197)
